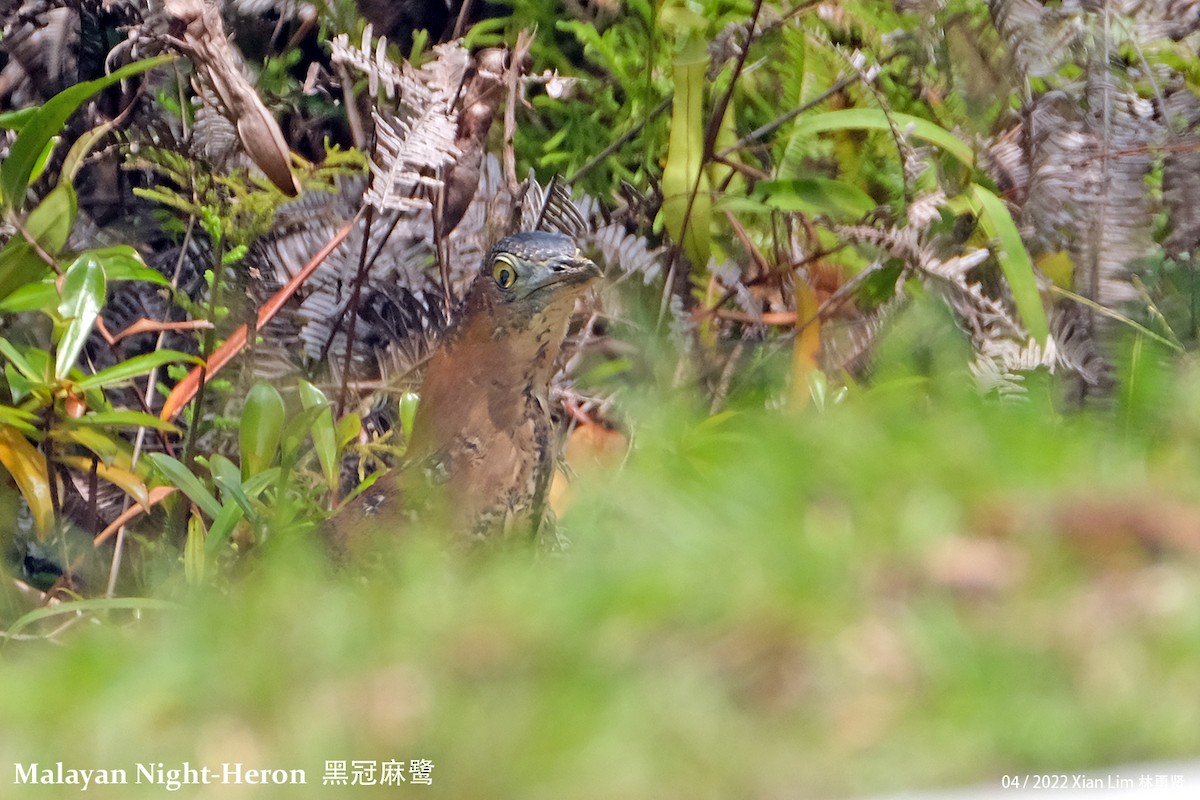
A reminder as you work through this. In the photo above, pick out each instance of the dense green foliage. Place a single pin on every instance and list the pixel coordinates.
(911, 491)
(756, 605)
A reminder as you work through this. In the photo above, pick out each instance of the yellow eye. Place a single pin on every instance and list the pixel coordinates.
(504, 271)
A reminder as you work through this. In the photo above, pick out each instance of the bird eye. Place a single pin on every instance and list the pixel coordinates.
(504, 272)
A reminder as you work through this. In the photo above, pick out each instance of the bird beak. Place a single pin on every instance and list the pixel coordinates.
(572, 271)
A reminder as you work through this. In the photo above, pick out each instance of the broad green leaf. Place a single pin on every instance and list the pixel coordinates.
(123, 263)
(323, 434)
(233, 490)
(39, 163)
(79, 150)
(19, 419)
(193, 552)
(1014, 259)
(50, 223)
(19, 266)
(255, 486)
(47, 122)
(834, 199)
(19, 361)
(37, 296)
(408, 413)
(127, 481)
(18, 425)
(181, 478)
(742, 205)
(21, 388)
(262, 428)
(83, 291)
(875, 120)
(15, 120)
(679, 20)
(133, 367)
(109, 449)
(221, 467)
(222, 526)
(27, 466)
(688, 221)
(124, 419)
(296, 432)
(348, 429)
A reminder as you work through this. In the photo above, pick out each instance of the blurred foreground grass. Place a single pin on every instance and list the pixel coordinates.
(893, 592)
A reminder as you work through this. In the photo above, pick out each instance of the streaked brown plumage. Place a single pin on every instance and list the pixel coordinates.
(482, 450)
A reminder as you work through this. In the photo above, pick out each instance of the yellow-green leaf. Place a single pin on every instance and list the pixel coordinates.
(50, 223)
(28, 468)
(687, 220)
(408, 413)
(815, 195)
(1014, 259)
(323, 435)
(262, 428)
(194, 561)
(19, 266)
(875, 120)
(128, 482)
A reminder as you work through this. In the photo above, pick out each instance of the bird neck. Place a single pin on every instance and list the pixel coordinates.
(506, 344)
(491, 373)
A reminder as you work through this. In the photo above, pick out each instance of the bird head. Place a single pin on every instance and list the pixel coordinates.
(531, 271)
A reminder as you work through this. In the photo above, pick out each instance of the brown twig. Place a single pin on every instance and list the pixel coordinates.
(525, 41)
(360, 277)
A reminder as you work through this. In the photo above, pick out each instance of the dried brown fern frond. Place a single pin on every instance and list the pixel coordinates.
(200, 32)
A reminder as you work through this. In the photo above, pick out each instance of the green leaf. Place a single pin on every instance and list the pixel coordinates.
(742, 205)
(27, 466)
(98, 604)
(20, 419)
(47, 122)
(1014, 259)
(233, 490)
(408, 413)
(37, 296)
(110, 449)
(123, 263)
(181, 478)
(19, 266)
(79, 150)
(15, 120)
(262, 427)
(348, 429)
(18, 360)
(124, 479)
(834, 199)
(50, 223)
(875, 120)
(222, 526)
(256, 485)
(193, 552)
(39, 164)
(83, 291)
(124, 419)
(689, 221)
(221, 467)
(323, 434)
(298, 428)
(131, 368)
